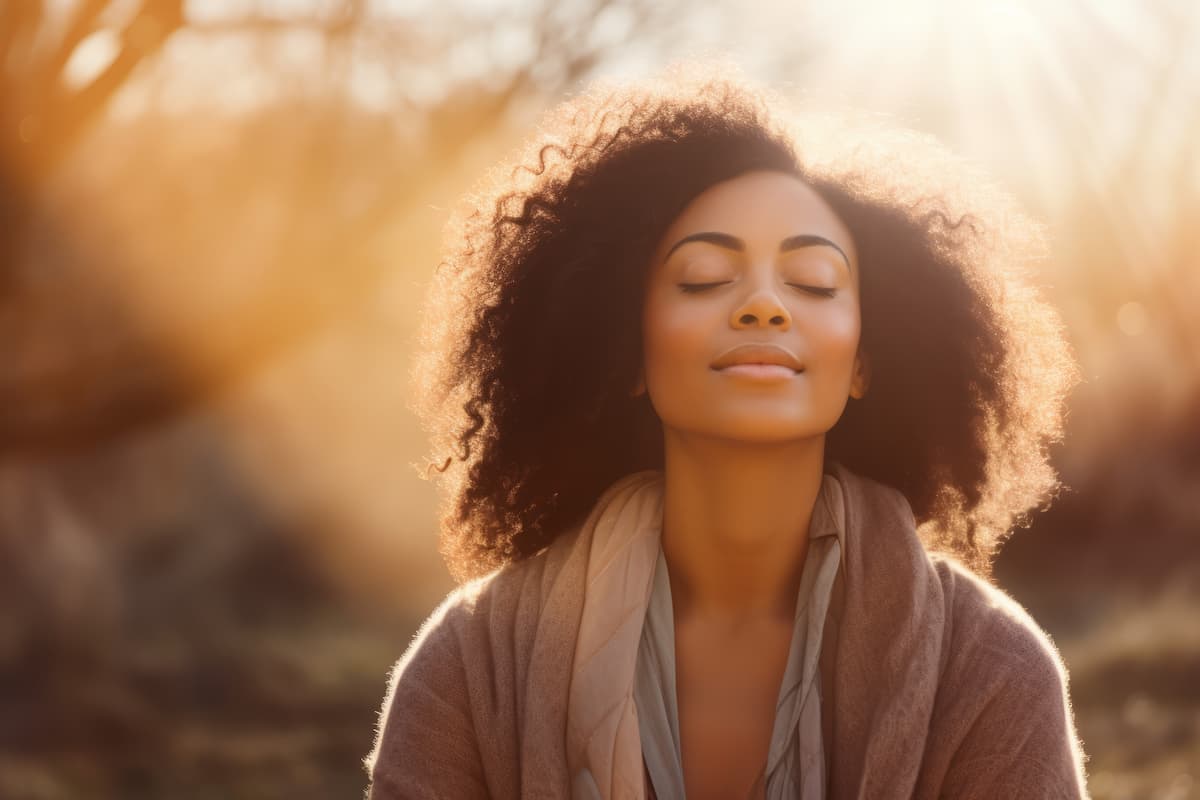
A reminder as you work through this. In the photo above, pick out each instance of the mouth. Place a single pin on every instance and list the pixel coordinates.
(759, 360)
(759, 371)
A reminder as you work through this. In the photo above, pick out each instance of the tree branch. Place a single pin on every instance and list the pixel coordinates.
(68, 114)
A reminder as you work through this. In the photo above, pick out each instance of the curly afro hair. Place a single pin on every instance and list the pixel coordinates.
(532, 340)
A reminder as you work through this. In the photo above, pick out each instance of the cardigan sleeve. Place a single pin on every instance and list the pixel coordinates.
(1023, 742)
(426, 745)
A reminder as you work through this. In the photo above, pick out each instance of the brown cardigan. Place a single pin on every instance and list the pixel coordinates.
(937, 684)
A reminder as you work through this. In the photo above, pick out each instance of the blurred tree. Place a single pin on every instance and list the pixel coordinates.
(90, 366)
(42, 119)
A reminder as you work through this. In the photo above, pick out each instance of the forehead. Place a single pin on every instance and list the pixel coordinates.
(761, 207)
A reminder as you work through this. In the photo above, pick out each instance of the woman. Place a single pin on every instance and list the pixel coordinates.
(745, 410)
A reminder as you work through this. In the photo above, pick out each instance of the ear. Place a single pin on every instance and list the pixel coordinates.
(861, 380)
(639, 388)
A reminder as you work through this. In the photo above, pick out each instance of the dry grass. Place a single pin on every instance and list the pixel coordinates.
(288, 710)
(1135, 683)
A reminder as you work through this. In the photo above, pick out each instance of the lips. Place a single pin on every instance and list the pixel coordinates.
(768, 355)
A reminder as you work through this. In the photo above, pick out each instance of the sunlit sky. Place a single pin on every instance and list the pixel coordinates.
(1049, 61)
(1036, 89)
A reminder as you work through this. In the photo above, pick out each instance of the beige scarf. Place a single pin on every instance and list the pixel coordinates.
(601, 703)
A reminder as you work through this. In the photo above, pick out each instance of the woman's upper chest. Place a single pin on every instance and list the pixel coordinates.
(727, 689)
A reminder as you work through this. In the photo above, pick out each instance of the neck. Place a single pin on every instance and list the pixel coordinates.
(735, 525)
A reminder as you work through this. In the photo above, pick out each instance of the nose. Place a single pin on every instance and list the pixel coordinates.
(762, 308)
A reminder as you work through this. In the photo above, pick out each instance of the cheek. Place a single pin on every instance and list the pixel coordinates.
(834, 335)
(674, 335)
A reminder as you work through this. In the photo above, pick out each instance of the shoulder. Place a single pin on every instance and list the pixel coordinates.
(444, 693)
(472, 612)
(1003, 697)
(995, 632)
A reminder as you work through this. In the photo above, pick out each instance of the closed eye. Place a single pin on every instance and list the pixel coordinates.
(820, 291)
(700, 287)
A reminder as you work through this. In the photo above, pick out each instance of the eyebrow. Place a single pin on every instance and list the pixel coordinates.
(734, 243)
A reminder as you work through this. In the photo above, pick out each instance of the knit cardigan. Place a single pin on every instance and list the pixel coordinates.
(939, 684)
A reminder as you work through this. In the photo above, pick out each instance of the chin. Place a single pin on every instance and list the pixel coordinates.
(766, 424)
(768, 431)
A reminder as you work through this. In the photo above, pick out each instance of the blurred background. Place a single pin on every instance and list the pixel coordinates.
(217, 219)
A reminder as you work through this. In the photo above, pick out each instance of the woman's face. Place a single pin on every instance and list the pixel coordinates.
(751, 321)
